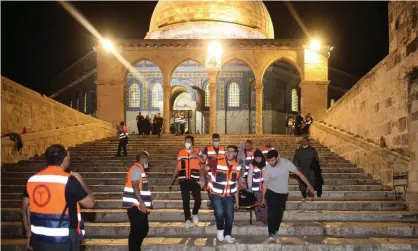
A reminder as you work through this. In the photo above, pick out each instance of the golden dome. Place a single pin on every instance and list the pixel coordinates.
(210, 20)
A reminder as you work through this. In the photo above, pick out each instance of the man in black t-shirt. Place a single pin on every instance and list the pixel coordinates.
(76, 191)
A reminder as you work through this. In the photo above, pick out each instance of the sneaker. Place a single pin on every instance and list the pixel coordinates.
(303, 199)
(220, 235)
(195, 219)
(187, 224)
(229, 239)
(272, 240)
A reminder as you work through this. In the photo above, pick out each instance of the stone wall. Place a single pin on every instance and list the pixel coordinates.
(412, 196)
(380, 162)
(46, 122)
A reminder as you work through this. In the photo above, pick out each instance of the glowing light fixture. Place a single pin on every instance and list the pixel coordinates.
(107, 45)
(315, 45)
(214, 56)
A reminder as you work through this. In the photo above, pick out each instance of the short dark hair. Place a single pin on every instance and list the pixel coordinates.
(122, 123)
(234, 147)
(272, 154)
(216, 136)
(189, 137)
(141, 155)
(55, 155)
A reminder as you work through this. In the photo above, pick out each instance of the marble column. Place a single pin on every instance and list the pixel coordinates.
(192, 124)
(212, 108)
(166, 107)
(259, 108)
(314, 96)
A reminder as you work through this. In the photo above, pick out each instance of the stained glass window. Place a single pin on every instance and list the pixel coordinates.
(295, 101)
(207, 96)
(134, 95)
(233, 95)
(156, 95)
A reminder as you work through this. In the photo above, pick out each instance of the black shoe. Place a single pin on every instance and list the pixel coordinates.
(118, 155)
(125, 154)
(319, 194)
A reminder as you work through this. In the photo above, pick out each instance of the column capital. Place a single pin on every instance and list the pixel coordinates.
(259, 87)
(212, 75)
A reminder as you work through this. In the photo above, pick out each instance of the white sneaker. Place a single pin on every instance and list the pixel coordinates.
(195, 219)
(229, 239)
(187, 224)
(272, 240)
(220, 235)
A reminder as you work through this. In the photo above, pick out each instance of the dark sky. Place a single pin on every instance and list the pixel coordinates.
(39, 39)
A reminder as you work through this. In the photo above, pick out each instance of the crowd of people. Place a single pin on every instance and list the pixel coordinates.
(146, 126)
(298, 125)
(233, 177)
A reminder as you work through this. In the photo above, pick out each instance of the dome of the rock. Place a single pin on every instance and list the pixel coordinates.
(210, 20)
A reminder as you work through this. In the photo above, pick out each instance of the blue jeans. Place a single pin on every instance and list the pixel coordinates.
(224, 212)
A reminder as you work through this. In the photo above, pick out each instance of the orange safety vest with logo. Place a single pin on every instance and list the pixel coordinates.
(225, 181)
(49, 217)
(188, 166)
(123, 132)
(129, 198)
(212, 153)
(266, 149)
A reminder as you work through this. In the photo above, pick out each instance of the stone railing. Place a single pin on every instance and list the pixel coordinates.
(45, 121)
(381, 162)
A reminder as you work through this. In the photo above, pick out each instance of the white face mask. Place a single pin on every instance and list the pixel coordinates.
(216, 144)
(305, 146)
(187, 145)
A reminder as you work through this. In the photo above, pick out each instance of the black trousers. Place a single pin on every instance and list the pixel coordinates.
(122, 144)
(73, 243)
(139, 228)
(276, 204)
(190, 186)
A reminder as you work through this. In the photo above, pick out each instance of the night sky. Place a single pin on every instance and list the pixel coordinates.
(40, 39)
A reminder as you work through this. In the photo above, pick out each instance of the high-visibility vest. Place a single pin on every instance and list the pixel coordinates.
(49, 216)
(188, 166)
(249, 156)
(212, 153)
(266, 149)
(225, 181)
(258, 178)
(123, 132)
(129, 198)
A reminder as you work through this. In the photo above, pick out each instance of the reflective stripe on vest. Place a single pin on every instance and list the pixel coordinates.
(265, 150)
(123, 133)
(258, 175)
(129, 198)
(224, 181)
(46, 190)
(249, 156)
(187, 165)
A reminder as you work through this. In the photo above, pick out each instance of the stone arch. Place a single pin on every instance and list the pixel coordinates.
(285, 59)
(238, 58)
(179, 62)
(135, 62)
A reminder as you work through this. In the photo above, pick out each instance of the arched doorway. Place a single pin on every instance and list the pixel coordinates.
(281, 96)
(236, 99)
(143, 93)
(188, 82)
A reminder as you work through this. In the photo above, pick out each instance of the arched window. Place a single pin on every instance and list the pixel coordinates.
(134, 95)
(71, 103)
(207, 96)
(156, 95)
(332, 102)
(233, 95)
(85, 102)
(295, 101)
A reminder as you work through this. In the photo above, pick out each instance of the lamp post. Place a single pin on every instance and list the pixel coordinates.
(213, 64)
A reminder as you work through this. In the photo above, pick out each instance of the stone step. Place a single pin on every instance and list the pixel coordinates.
(293, 195)
(206, 229)
(291, 204)
(17, 189)
(163, 175)
(153, 168)
(289, 243)
(167, 181)
(169, 215)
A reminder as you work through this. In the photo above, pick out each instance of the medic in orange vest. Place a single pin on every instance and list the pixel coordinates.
(137, 199)
(188, 172)
(214, 151)
(266, 148)
(54, 197)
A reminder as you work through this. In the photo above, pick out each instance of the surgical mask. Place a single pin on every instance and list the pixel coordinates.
(188, 145)
(145, 165)
(305, 146)
(216, 144)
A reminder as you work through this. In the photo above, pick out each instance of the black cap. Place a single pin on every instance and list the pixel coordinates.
(258, 153)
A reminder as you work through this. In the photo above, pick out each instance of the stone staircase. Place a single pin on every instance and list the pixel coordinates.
(356, 212)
